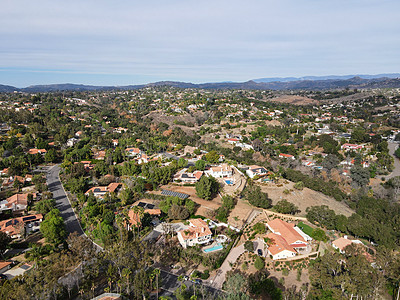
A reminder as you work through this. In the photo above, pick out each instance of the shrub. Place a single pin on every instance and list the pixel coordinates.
(259, 263)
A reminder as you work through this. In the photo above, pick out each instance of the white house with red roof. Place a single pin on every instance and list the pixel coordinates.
(220, 171)
(285, 239)
(288, 156)
(197, 233)
(254, 170)
(348, 147)
(100, 191)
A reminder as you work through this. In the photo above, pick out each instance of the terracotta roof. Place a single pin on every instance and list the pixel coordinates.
(278, 244)
(285, 155)
(153, 211)
(342, 243)
(4, 264)
(286, 230)
(222, 168)
(113, 186)
(198, 228)
(18, 199)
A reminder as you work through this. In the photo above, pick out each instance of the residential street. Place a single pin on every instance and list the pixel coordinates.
(396, 172)
(62, 203)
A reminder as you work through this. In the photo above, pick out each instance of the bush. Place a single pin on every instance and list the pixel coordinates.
(299, 185)
(249, 246)
(285, 272)
(256, 197)
(285, 207)
(259, 263)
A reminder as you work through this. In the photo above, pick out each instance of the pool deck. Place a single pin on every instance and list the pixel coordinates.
(215, 244)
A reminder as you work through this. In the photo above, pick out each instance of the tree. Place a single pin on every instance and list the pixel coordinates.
(200, 165)
(4, 242)
(285, 207)
(53, 227)
(178, 212)
(249, 246)
(359, 175)
(212, 156)
(259, 263)
(256, 197)
(330, 162)
(207, 187)
(45, 206)
(182, 163)
(321, 215)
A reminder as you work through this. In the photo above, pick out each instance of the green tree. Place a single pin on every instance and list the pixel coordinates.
(4, 242)
(259, 263)
(249, 246)
(200, 165)
(359, 175)
(53, 227)
(256, 197)
(207, 187)
(285, 207)
(212, 156)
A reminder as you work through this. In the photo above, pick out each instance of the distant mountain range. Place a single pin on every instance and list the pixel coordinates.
(288, 83)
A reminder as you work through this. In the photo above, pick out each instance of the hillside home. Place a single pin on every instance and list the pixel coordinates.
(34, 151)
(254, 170)
(289, 233)
(197, 233)
(343, 242)
(134, 217)
(16, 203)
(278, 248)
(221, 171)
(186, 177)
(349, 147)
(287, 156)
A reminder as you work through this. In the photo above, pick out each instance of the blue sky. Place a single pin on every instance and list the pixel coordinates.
(130, 42)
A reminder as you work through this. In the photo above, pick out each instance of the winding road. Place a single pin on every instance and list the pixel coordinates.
(396, 171)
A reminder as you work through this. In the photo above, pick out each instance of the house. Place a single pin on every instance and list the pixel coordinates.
(197, 233)
(142, 159)
(254, 170)
(288, 156)
(4, 172)
(291, 234)
(71, 142)
(188, 177)
(115, 143)
(99, 155)
(133, 151)
(134, 217)
(34, 151)
(14, 228)
(343, 242)
(100, 191)
(17, 203)
(308, 163)
(233, 141)
(278, 248)
(4, 266)
(348, 147)
(221, 171)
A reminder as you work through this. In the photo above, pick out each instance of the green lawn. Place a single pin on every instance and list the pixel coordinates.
(305, 228)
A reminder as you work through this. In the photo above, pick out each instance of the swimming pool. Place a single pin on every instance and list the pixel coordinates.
(229, 182)
(214, 248)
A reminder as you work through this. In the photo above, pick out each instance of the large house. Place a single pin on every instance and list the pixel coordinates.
(14, 228)
(290, 238)
(100, 191)
(34, 151)
(134, 217)
(221, 171)
(16, 203)
(253, 171)
(186, 177)
(197, 233)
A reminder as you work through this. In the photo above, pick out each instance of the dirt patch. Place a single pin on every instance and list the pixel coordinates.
(239, 214)
(303, 199)
(295, 100)
(191, 191)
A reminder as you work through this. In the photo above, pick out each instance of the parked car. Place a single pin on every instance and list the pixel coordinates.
(197, 281)
(259, 252)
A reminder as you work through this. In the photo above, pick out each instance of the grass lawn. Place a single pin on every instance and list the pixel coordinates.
(305, 228)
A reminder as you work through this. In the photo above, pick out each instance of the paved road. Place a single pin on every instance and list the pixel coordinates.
(170, 283)
(62, 203)
(396, 172)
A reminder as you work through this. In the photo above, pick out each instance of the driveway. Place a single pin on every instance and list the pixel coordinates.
(62, 203)
(219, 279)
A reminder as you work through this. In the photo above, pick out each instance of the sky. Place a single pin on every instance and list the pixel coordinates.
(120, 42)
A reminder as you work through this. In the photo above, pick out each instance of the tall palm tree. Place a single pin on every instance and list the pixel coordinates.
(139, 211)
(156, 272)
